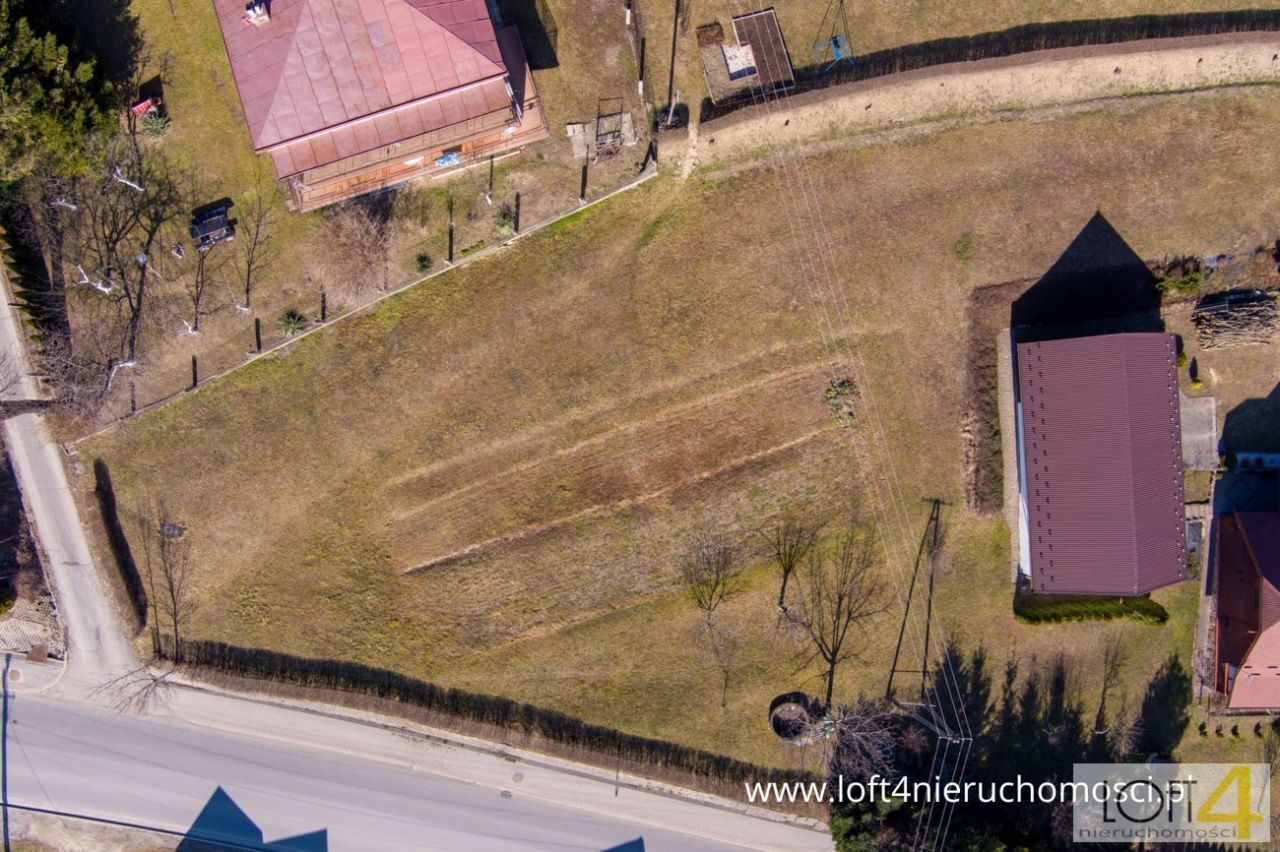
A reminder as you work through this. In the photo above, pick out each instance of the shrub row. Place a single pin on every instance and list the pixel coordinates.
(1024, 39)
(1051, 609)
(526, 719)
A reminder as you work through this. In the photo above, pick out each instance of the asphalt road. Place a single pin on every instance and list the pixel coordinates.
(160, 772)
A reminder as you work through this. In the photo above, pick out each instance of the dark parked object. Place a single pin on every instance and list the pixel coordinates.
(211, 226)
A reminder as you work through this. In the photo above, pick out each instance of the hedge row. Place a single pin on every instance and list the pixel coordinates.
(526, 719)
(1024, 39)
(1051, 609)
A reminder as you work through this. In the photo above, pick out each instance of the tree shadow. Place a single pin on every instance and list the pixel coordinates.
(36, 288)
(1032, 727)
(104, 31)
(538, 31)
(118, 542)
(1164, 715)
(1253, 426)
(1099, 285)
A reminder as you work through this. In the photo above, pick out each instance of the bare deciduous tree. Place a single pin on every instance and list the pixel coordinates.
(789, 541)
(1124, 734)
(115, 236)
(170, 577)
(857, 740)
(724, 644)
(839, 590)
(710, 573)
(357, 251)
(103, 234)
(256, 235)
(198, 287)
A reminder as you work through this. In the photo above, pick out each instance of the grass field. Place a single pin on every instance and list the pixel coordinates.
(546, 429)
(875, 25)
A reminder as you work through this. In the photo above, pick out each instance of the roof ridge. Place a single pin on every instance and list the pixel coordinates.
(318, 11)
(1128, 436)
(427, 8)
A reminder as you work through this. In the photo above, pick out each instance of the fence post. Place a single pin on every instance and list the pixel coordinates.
(450, 259)
(324, 306)
(516, 224)
(195, 375)
(257, 332)
(582, 190)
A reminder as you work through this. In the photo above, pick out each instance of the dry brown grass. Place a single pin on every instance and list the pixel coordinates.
(652, 328)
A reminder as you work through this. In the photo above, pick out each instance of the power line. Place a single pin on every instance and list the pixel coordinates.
(819, 273)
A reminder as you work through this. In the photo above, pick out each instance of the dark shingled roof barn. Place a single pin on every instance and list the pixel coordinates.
(1100, 465)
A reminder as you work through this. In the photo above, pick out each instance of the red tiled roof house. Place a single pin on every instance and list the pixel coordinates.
(350, 96)
(1247, 639)
(1100, 465)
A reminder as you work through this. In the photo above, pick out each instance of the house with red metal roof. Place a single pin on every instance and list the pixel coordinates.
(1099, 465)
(1247, 638)
(351, 96)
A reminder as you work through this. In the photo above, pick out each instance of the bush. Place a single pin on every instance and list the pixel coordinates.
(1183, 285)
(1052, 609)
(505, 221)
(422, 263)
(292, 322)
(1182, 360)
(154, 124)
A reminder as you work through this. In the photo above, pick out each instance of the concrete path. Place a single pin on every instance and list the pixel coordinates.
(1199, 416)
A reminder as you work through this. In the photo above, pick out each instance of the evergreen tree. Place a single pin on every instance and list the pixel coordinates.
(49, 100)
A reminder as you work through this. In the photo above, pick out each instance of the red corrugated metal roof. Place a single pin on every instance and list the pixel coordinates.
(345, 76)
(1248, 604)
(1103, 461)
(1261, 534)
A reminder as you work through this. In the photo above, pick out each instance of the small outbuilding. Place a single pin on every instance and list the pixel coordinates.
(755, 58)
(1099, 465)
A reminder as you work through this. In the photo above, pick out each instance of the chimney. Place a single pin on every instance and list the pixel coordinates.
(257, 12)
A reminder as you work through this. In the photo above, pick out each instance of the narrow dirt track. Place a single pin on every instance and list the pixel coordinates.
(959, 93)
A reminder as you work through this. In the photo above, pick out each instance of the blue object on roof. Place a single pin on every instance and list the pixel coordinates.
(451, 158)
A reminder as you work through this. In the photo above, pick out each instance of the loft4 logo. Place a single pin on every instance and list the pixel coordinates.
(1171, 803)
(1235, 794)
